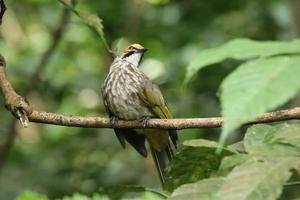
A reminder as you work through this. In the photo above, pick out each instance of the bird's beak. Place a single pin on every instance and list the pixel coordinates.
(142, 50)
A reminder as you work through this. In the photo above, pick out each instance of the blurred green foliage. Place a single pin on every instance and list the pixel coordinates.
(59, 161)
(261, 170)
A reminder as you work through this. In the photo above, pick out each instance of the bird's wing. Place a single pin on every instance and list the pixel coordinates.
(154, 100)
(152, 97)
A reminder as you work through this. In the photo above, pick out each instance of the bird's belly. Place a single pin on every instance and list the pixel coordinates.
(121, 92)
(129, 108)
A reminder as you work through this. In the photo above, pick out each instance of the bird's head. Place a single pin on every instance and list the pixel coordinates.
(134, 54)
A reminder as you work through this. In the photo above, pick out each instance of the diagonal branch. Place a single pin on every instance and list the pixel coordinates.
(17, 104)
(56, 38)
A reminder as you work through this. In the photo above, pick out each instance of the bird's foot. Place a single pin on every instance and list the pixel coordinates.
(145, 120)
(113, 120)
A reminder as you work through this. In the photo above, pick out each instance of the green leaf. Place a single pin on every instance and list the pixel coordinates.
(29, 195)
(237, 147)
(77, 196)
(91, 20)
(257, 180)
(279, 140)
(230, 162)
(256, 87)
(196, 161)
(120, 191)
(200, 143)
(209, 144)
(150, 196)
(201, 190)
(240, 49)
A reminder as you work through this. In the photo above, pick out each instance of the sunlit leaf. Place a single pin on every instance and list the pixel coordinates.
(257, 180)
(230, 162)
(240, 49)
(139, 192)
(29, 195)
(279, 140)
(200, 143)
(256, 87)
(237, 147)
(77, 196)
(201, 190)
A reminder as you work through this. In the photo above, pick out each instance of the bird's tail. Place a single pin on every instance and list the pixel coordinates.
(162, 161)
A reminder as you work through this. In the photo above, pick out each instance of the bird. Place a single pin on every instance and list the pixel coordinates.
(128, 94)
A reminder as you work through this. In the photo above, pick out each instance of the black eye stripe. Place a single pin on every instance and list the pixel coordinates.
(128, 54)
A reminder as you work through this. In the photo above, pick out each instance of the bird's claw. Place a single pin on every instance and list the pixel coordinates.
(145, 120)
(113, 120)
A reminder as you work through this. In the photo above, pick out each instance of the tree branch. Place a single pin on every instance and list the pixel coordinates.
(17, 103)
(13, 102)
(56, 38)
(100, 122)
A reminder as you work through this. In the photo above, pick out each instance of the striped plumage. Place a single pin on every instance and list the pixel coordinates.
(121, 91)
(129, 94)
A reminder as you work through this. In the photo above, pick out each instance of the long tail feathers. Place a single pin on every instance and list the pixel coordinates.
(162, 161)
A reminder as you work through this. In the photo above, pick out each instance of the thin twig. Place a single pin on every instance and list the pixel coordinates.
(56, 38)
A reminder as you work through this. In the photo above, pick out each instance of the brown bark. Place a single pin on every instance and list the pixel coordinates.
(20, 108)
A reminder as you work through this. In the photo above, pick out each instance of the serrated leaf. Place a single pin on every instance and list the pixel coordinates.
(240, 49)
(91, 20)
(256, 87)
(258, 180)
(201, 190)
(230, 162)
(194, 163)
(278, 140)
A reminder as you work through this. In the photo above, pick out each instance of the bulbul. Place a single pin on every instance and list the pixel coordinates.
(128, 94)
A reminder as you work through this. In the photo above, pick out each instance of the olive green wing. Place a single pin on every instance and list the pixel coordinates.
(154, 100)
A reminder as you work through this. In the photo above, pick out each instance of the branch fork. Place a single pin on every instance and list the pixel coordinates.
(15, 103)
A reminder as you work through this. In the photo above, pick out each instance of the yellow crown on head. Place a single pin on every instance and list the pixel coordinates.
(133, 47)
(137, 46)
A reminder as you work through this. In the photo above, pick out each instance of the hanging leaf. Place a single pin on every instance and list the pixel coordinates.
(240, 49)
(91, 20)
(256, 87)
